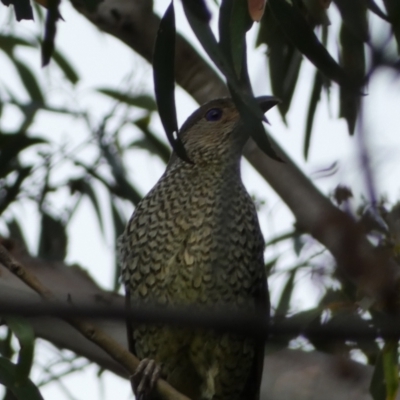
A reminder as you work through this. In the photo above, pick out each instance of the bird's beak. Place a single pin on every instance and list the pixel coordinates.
(266, 103)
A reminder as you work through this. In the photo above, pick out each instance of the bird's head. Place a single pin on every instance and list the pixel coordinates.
(214, 133)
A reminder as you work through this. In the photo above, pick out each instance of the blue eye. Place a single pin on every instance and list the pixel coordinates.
(214, 114)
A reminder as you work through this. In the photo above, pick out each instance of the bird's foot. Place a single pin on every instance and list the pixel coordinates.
(145, 378)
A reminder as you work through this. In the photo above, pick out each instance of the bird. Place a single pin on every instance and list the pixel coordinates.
(195, 240)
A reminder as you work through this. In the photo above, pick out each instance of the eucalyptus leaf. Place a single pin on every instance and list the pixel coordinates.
(354, 16)
(141, 101)
(50, 31)
(22, 391)
(245, 102)
(377, 386)
(29, 81)
(83, 186)
(26, 338)
(390, 356)
(65, 66)
(353, 62)
(164, 80)
(284, 302)
(312, 107)
(393, 12)
(22, 8)
(53, 238)
(300, 33)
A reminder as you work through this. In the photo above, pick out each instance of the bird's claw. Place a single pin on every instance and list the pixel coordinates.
(145, 378)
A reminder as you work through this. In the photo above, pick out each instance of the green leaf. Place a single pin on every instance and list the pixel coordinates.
(234, 22)
(6, 348)
(199, 9)
(26, 338)
(53, 238)
(312, 107)
(164, 80)
(393, 12)
(119, 227)
(151, 142)
(81, 185)
(65, 66)
(299, 32)
(280, 238)
(353, 62)
(29, 81)
(21, 390)
(253, 125)
(15, 231)
(377, 386)
(13, 144)
(373, 7)
(141, 101)
(284, 302)
(354, 15)
(247, 106)
(12, 191)
(7, 43)
(22, 8)
(50, 31)
(284, 60)
(390, 358)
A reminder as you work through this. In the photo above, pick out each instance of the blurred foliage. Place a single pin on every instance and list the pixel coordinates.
(290, 31)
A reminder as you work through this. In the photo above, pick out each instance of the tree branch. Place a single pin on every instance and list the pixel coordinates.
(119, 353)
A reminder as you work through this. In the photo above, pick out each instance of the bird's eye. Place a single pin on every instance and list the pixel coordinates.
(214, 114)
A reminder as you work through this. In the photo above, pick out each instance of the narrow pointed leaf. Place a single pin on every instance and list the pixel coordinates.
(377, 387)
(81, 185)
(373, 7)
(248, 107)
(164, 80)
(390, 367)
(353, 62)
(8, 43)
(152, 142)
(141, 101)
(50, 31)
(393, 12)
(312, 107)
(53, 238)
(354, 17)
(26, 338)
(301, 34)
(11, 145)
(29, 81)
(284, 302)
(16, 232)
(234, 22)
(65, 66)
(22, 391)
(12, 191)
(254, 126)
(22, 8)
(119, 227)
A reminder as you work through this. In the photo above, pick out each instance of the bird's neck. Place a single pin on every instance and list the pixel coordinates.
(226, 170)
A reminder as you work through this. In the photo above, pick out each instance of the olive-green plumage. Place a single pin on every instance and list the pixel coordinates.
(195, 239)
